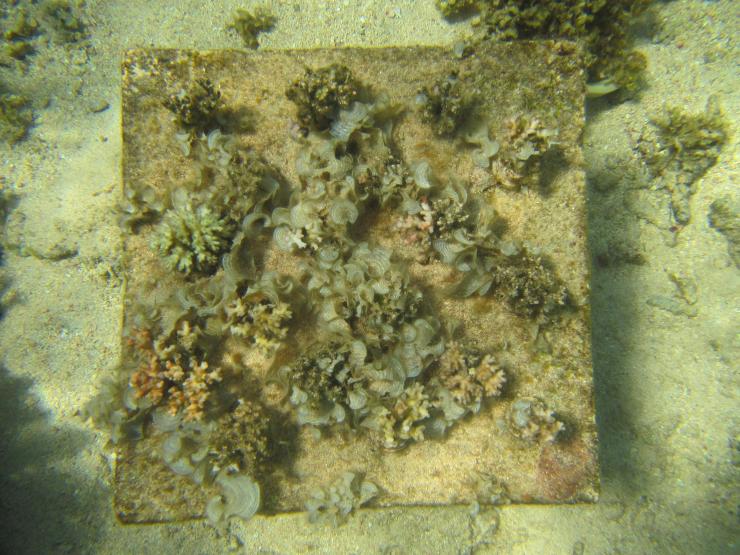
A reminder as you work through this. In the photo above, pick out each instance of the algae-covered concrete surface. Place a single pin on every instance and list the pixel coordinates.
(664, 360)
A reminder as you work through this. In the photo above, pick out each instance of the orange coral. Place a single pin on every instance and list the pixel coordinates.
(171, 373)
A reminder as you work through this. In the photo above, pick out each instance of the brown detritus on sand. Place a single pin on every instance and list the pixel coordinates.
(564, 468)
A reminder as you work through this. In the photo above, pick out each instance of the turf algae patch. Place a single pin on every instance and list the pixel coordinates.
(366, 297)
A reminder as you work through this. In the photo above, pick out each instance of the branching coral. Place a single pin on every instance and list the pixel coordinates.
(514, 156)
(259, 319)
(192, 240)
(404, 421)
(469, 376)
(172, 372)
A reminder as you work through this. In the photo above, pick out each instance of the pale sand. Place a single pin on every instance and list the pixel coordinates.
(666, 391)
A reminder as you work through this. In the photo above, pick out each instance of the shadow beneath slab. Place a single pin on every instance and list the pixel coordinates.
(43, 508)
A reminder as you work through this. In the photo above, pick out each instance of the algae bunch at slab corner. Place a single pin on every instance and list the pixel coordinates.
(602, 27)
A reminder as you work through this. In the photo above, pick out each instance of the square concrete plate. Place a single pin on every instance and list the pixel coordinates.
(554, 364)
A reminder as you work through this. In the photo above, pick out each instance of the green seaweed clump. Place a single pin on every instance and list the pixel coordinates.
(198, 109)
(192, 240)
(16, 117)
(321, 93)
(724, 216)
(18, 34)
(528, 286)
(337, 502)
(250, 24)
(600, 25)
(455, 8)
(65, 19)
(445, 105)
(681, 148)
(240, 439)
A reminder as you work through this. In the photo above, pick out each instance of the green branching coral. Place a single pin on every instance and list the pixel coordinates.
(602, 26)
(681, 148)
(446, 104)
(192, 240)
(249, 24)
(321, 93)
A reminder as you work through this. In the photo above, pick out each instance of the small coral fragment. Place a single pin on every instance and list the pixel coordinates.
(249, 24)
(531, 420)
(258, 319)
(523, 140)
(172, 374)
(321, 93)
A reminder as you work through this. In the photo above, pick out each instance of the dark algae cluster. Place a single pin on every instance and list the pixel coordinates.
(601, 26)
(273, 309)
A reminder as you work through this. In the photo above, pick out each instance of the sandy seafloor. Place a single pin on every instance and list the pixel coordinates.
(667, 385)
